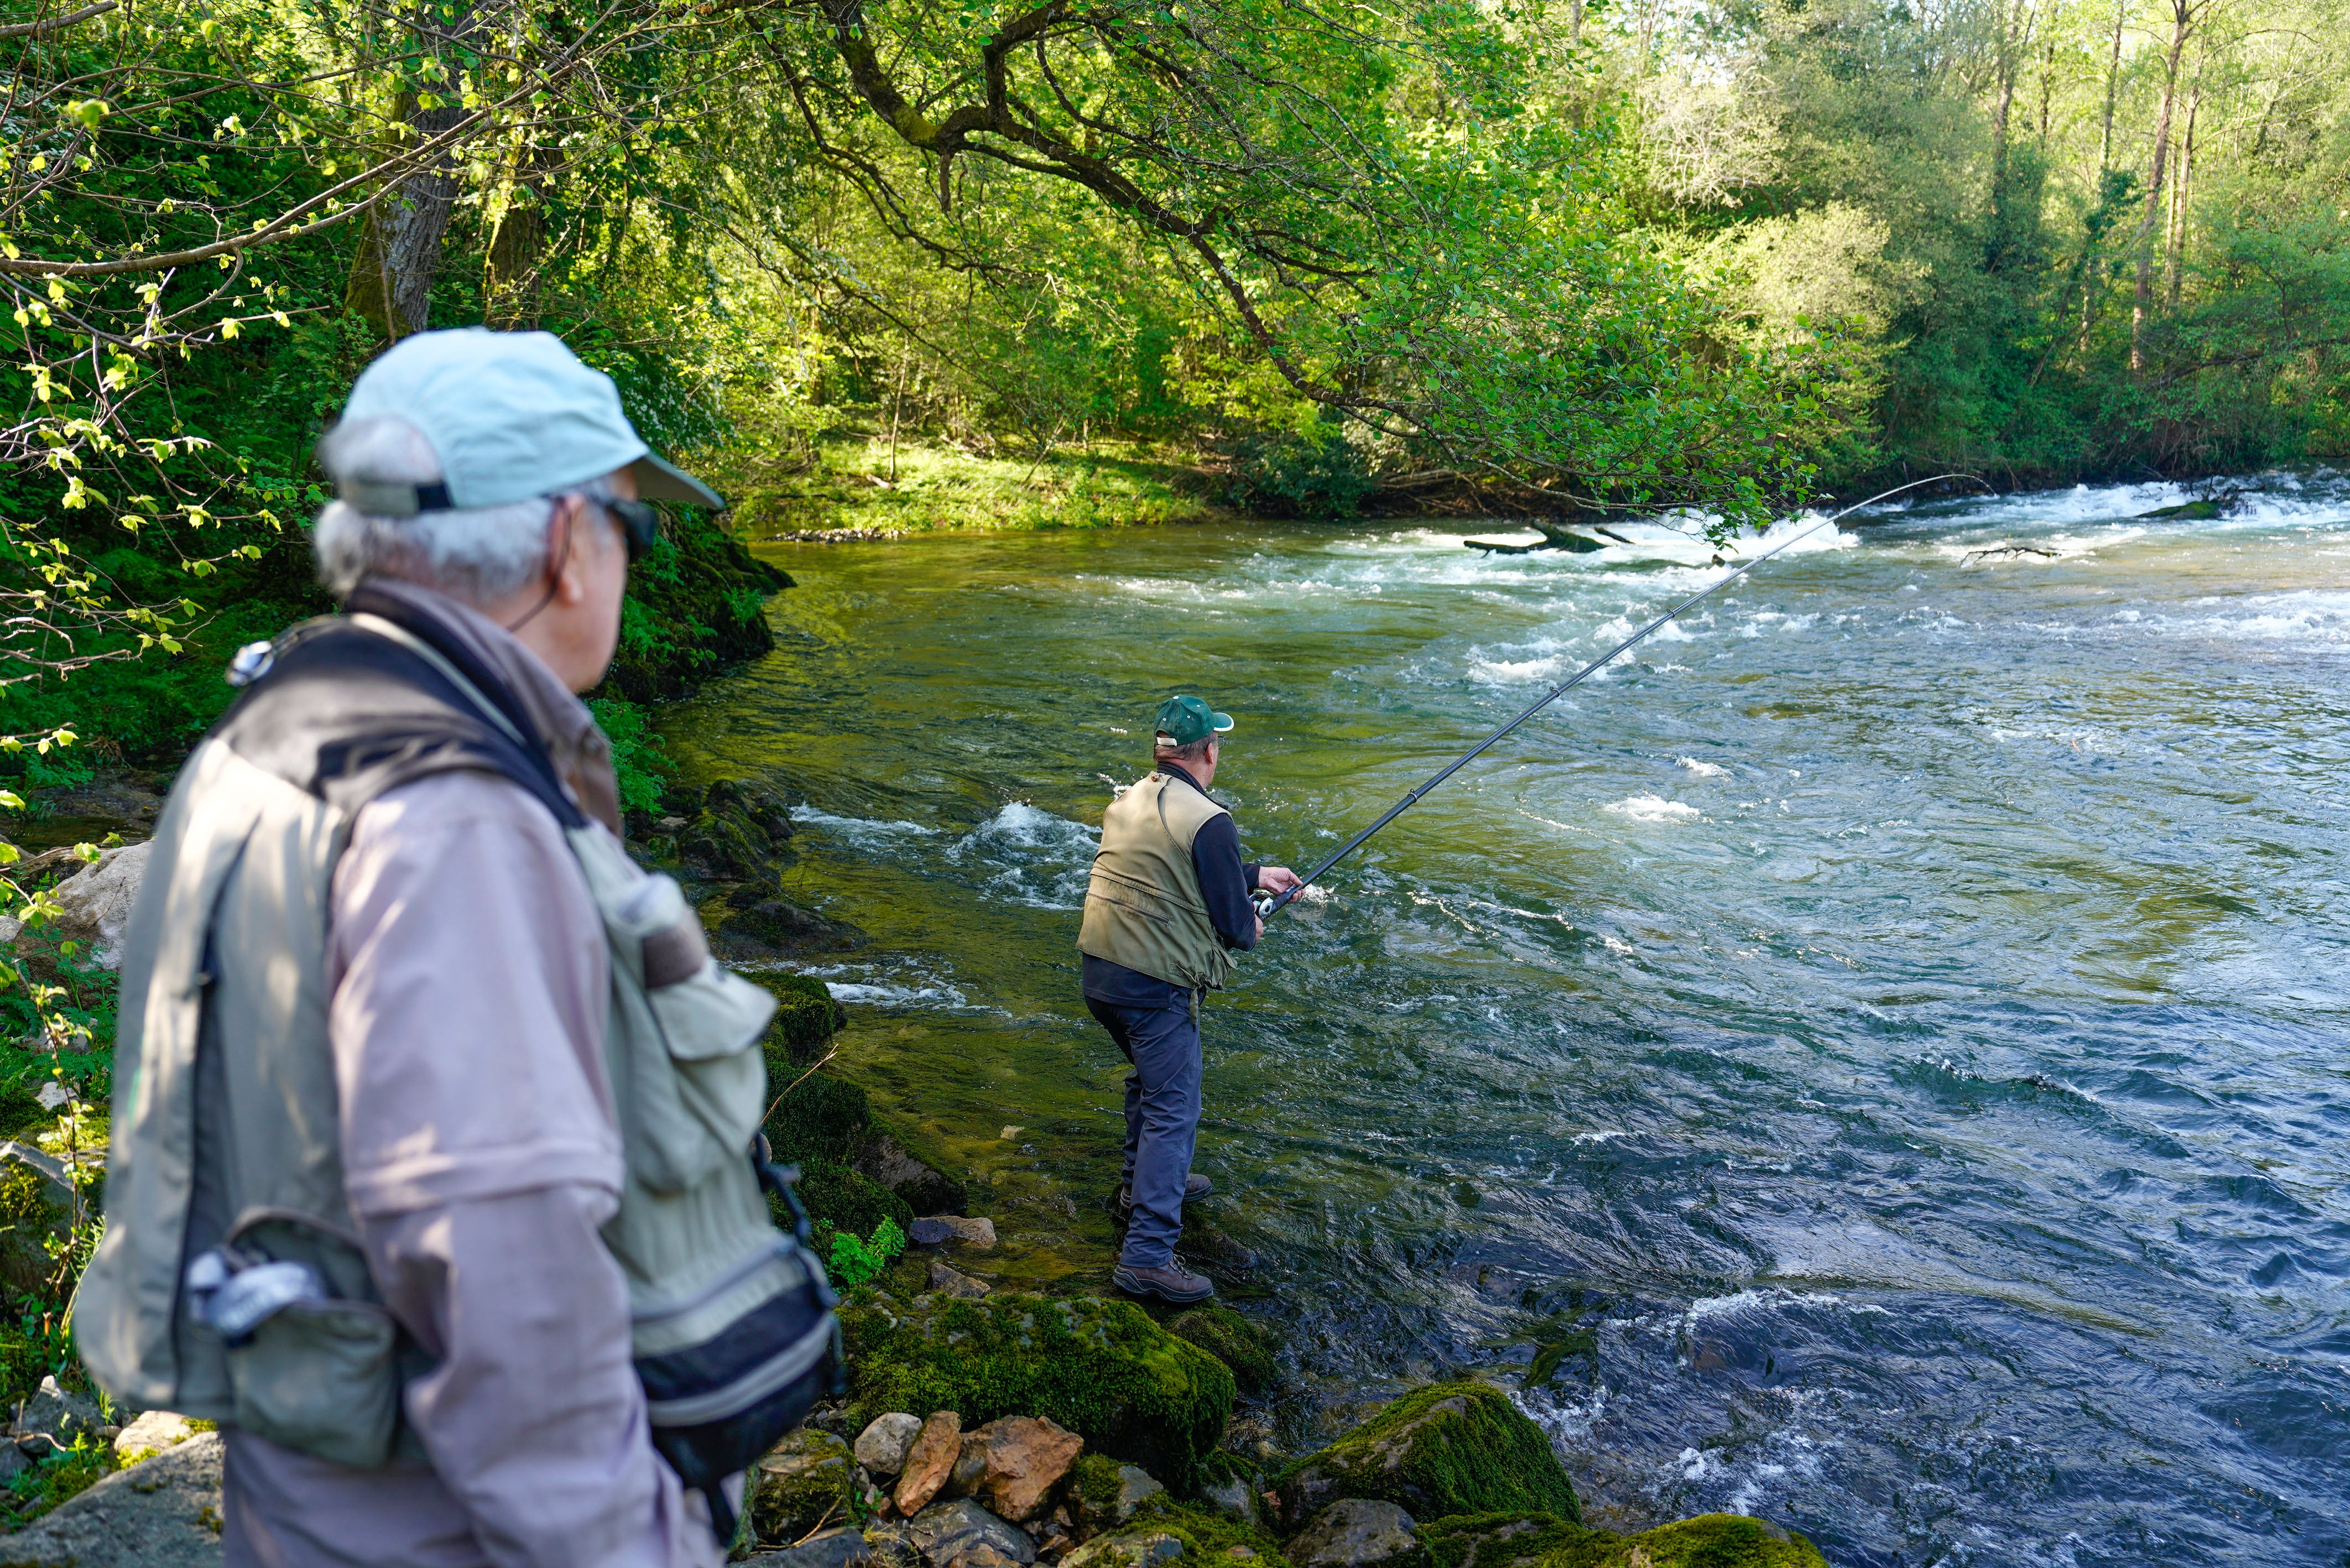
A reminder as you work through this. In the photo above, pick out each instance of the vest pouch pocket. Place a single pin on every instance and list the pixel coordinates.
(709, 1025)
(319, 1377)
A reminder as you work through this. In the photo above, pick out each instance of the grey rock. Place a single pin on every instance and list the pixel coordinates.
(946, 1282)
(833, 1549)
(152, 1433)
(927, 1188)
(53, 1413)
(1233, 1497)
(164, 1513)
(938, 1229)
(1129, 1549)
(953, 1530)
(1358, 1532)
(881, 1447)
(1134, 1485)
(95, 902)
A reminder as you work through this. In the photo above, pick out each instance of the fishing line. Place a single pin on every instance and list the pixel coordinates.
(1268, 904)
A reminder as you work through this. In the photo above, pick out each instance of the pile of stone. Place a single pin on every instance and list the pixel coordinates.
(931, 1493)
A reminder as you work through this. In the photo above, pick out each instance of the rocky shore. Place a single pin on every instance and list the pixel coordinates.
(982, 1426)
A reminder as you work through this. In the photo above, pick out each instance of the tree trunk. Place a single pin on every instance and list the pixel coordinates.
(391, 276)
(2113, 86)
(2174, 261)
(510, 265)
(2182, 22)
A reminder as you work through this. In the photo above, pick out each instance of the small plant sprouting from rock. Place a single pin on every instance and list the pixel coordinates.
(856, 1259)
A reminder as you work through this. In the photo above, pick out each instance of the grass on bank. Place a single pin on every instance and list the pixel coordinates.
(861, 482)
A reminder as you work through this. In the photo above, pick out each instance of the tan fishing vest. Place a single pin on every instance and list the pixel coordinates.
(227, 942)
(1143, 908)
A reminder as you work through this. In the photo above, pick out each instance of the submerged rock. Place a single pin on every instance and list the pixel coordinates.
(881, 1447)
(1358, 1532)
(949, 1283)
(806, 1478)
(1448, 1449)
(938, 1229)
(164, 1513)
(1101, 1369)
(784, 928)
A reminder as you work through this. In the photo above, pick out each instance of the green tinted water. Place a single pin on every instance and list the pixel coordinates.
(1894, 1022)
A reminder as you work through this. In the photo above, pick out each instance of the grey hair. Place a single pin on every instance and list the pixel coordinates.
(477, 552)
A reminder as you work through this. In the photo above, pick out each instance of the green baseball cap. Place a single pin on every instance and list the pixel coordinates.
(1183, 720)
(511, 415)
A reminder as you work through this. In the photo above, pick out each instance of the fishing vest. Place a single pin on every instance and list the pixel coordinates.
(230, 1284)
(1144, 910)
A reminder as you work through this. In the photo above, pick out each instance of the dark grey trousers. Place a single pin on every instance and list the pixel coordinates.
(1162, 1120)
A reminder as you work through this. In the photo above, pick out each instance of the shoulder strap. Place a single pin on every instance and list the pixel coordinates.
(353, 707)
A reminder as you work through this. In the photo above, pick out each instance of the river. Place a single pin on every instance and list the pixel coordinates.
(1885, 1036)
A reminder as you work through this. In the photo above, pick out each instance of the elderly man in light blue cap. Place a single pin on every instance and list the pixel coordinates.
(372, 1176)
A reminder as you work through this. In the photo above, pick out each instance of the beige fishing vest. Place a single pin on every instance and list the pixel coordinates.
(227, 944)
(1143, 908)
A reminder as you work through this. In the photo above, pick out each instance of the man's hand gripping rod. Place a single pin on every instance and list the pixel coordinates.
(1268, 903)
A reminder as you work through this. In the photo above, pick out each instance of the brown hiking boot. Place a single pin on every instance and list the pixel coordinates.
(1170, 1283)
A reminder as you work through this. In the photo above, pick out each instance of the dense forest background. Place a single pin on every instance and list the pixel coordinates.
(1093, 261)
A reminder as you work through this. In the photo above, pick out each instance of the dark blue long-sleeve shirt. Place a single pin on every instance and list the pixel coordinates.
(1225, 881)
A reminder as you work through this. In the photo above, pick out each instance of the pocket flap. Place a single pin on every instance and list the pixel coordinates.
(714, 1012)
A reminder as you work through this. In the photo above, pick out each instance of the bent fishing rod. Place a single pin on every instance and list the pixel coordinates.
(1268, 904)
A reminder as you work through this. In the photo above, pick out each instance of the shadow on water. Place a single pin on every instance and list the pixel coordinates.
(1874, 1059)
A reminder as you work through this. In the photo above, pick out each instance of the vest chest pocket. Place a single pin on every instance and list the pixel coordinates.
(686, 1071)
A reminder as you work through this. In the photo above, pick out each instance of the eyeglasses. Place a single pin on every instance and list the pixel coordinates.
(639, 520)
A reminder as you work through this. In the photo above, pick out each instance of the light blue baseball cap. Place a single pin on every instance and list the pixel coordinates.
(511, 415)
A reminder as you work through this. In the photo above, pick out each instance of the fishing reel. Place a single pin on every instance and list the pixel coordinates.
(1266, 901)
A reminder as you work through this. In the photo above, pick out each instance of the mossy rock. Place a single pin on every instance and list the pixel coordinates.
(1233, 1340)
(1207, 1536)
(1452, 1447)
(836, 1196)
(821, 1119)
(1498, 1539)
(909, 1165)
(1102, 1369)
(806, 1018)
(809, 1476)
(1709, 1540)
(30, 1214)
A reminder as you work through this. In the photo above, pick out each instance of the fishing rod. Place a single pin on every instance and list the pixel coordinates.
(1267, 904)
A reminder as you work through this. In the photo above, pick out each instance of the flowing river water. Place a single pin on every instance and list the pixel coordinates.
(1878, 1051)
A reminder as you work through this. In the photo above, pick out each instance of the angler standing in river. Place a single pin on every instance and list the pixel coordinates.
(1167, 908)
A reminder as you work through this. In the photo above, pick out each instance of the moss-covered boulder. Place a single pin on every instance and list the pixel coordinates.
(839, 1198)
(1209, 1537)
(807, 1477)
(1450, 1448)
(806, 1018)
(1233, 1340)
(1519, 1540)
(1101, 1369)
(1709, 1540)
(825, 1119)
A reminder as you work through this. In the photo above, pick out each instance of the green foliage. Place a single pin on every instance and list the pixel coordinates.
(1102, 1369)
(853, 1261)
(1458, 1447)
(57, 1475)
(1315, 474)
(639, 761)
(1233, 1340)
